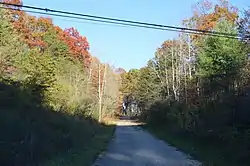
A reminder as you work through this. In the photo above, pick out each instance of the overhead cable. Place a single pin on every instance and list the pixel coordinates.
(121, 22)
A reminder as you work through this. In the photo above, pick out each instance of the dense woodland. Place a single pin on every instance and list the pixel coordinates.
(53, 91)
(198, 86)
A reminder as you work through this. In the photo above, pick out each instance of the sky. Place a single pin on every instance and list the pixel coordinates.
(125, 47)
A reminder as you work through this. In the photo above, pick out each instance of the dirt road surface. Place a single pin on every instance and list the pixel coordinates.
(133, 146)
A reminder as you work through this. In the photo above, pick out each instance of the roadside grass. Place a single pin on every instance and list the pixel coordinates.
(35, 134)
(207, 153)
(88, 153)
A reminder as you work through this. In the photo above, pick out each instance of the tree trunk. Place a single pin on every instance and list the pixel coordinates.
(173, 72)
(101, 89)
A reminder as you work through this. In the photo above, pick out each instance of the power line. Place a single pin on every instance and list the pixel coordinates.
(122, 24)
(89, 19)
(121, 20)
(117, 23)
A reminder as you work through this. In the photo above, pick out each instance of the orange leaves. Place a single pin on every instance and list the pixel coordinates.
(169, 44)
(16, 2)
(227, 12)
(15, 13)
(33, 30)
(43, 24)
(207, 15)
(78, 45)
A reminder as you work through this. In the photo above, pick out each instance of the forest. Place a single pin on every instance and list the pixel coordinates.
(194, 92)
(55, 95)
(52, 91)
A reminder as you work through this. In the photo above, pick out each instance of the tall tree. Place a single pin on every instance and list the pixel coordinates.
(77, 44)
(10, 45)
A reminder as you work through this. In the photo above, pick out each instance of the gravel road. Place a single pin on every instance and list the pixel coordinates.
(132, 146)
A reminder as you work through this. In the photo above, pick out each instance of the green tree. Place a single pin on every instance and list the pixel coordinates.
(221, 59)
(10, 45)
(129, 81)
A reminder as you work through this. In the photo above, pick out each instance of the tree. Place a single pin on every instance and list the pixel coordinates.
(207, 15)
(31, 29)
(129, 82)
(111, 93)
(48, 89)
(78, 45)
(222, 58)
(101, 86)
(10, 45)
(244, 26)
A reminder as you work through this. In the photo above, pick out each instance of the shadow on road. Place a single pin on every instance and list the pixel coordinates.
(124, 118)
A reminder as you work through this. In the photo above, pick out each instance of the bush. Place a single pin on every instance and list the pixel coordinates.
(33, 133)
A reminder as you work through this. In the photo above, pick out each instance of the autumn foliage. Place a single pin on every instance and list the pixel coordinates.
(195, 90)
(206, 15)
(51, 92)
(33, 29)
(77, 44)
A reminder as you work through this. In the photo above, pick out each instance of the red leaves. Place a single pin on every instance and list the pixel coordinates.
(78, 45)
(33, 30)
(15, 2)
